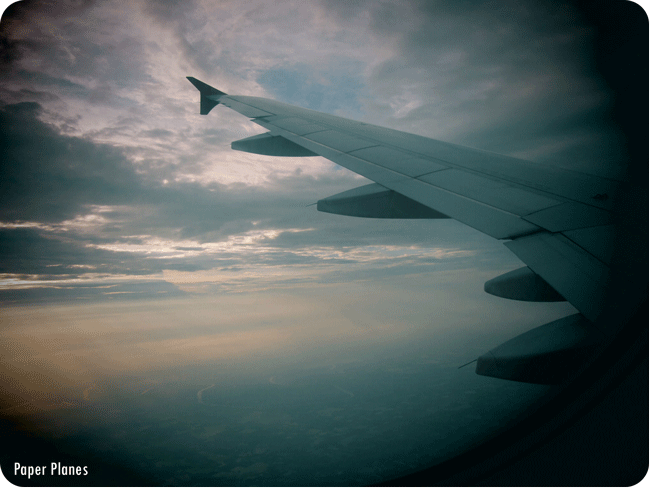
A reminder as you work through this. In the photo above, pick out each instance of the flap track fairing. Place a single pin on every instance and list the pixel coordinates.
(522, 284)
(549, 354)
(270, 145)
(376, 201)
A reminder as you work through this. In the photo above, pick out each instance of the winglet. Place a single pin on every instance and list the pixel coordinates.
(209, 95)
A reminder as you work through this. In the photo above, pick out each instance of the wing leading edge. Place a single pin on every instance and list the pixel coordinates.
(558, 222)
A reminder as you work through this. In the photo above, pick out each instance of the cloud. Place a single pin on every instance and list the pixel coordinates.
(109, 172)
(77, 214)
(49, 176)
(517, 78)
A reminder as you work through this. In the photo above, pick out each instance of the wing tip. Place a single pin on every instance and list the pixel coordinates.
(204, 88)
(209, 95)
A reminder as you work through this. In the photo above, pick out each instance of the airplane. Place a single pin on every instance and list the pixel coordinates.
(574, 231)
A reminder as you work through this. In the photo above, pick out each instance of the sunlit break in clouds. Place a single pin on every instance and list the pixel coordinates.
(182, 311)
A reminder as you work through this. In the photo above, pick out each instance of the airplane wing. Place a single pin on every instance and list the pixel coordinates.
(560, 223)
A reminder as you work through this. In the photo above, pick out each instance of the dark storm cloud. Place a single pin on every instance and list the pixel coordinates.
(52, 178)
(26, 251)
(49, 177)
(169, 11)
(15, 96)
(512, 77)
(61, 49)
(19, 16)
(35, 78)
(57, 256)
(174, 16)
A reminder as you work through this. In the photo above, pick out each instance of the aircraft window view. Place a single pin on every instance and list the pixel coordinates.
(323, 243)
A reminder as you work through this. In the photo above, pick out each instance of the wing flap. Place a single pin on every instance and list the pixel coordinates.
(573, 272)
(570, 215)
(492, 192)
(489, 220)
(340, 141)
(296, 125)
(597, 241)
(381, 155)
(243, 108)
(414, 167)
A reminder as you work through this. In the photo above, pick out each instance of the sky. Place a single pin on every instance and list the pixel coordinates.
(111, 178)
(124, 213)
